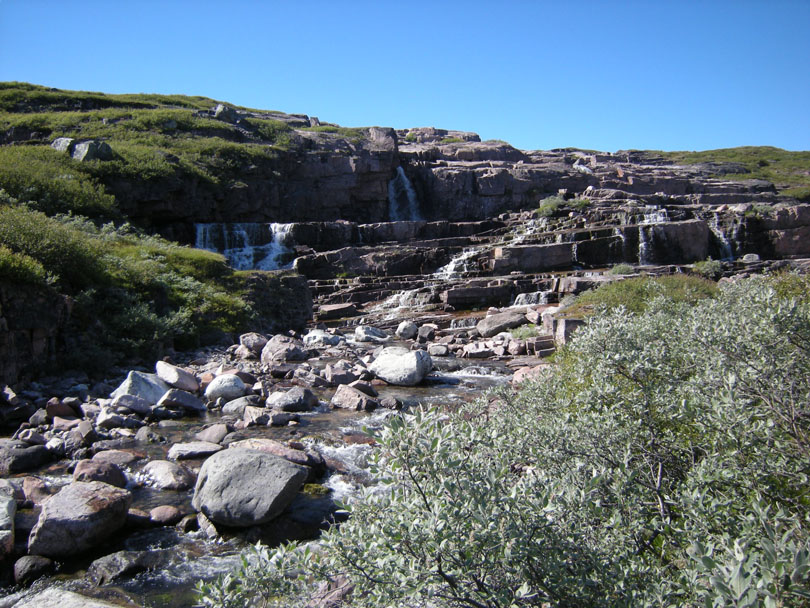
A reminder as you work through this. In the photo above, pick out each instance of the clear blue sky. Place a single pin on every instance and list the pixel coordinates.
(656, 74)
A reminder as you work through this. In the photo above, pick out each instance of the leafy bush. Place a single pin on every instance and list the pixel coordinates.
(622, 269)
(549, 205)
(662, 462)
(20, 268)
(710, 269)
(524, 331)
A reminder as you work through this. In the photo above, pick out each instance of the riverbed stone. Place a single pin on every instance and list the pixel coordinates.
(236, 407)
(21, 459)
(302, 457)
(297, 399)
(402, 367)
(181, 399)
(253, 341)
(366, 333)
(166, 475)
(55, 597)
(146, 386)
(226, 386)
(348, 397)
(495, 324)
(241, 487)
(29, 568)
(109, 419)
(407, 330)
(119, 458)
(193, 449)
(213, 434)
(93, 470)
(80, 516)
(123, 564)
(283, 348)
(177, 377)
(319, 338)
(165, 515)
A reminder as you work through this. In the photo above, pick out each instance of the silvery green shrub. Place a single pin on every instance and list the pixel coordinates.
(663, 462)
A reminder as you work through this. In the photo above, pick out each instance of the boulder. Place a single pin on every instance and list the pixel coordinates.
(366, 333)
(63, 144)
(253, 341)
(180, 399)
(349, 398)
(56, 597)
(226, 386)
(297, 399)
(21, 459)
(495, 324)
(120, 458)
(80, 516)
(165, 515)
(337, 311)
(318, 338)
(302, 457)
(92, 150)
(407, 330)
(177, 377)
(8, 510)
(109, 419)
(93, 470)
(283, 348)
(29, 568)
(193, 449)
(237, 407)
(339, 373)
(167, 475)
(241, 487)
(402, 367)
(132, 403)
(146, 386)
(123, 564)
(213, 434)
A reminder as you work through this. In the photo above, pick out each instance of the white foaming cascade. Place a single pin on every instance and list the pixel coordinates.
(644, 244)
(403, 205)
(654, 215)
(457, 265)
(246, 246)
(726, 250)
(536, 298)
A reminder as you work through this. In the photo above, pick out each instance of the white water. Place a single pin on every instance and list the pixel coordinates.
(727, 252)
(536, 298)
(403, 205)
(247, 246)
(654, 215)
(644, 245)
(457, 265)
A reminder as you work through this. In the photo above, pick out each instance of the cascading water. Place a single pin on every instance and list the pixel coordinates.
(247, 246)
(536, 298)
(726, 251)
(458, 265)
(644, 244)
(403, 206)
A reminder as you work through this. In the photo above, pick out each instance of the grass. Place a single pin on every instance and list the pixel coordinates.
(635, 293)
(524, 332)
(620, 269)
(788, 170)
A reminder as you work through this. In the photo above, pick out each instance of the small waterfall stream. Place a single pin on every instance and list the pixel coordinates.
(403, 206)
(247, 246)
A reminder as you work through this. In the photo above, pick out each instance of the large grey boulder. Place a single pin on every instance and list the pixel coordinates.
(297, 399)
(21, 459)
(401, 366)
(318, 338)
(8, 509)
(253, 341)
(193, 449)
(407, 330)
(226, 386)
(366, 333)
(283, 348)
(124, 564)
(166, 475)
(181, 400)
(148, 387)
(237, 407)
(92, 150)
(61, 598)
(241, 487)
(349, 398)
(80, 516)
(495, 324)
(177, 377)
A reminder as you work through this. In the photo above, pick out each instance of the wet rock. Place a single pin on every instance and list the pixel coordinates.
(318, 338)
(282, 418)
(108, 419)
(119, 458)
(402, 367)
(138, 519)
(337, 311)
(347, 397)
(297, 399)
(391, 403)
(177, 377)
(165, 515)
(167, 475)
(21, 459)
(55, 597)
(93, 470)
(237, 407)
(29, 568)
(213, 434)
(339, 373)
(78, 517)
(226, 386)
(148, 435)
(407, 330)
(365, 387)
(188, 524)
(283, 348)
(495, 324)
(146, 386)
(193, 449)
(438, 350)
(366, 333)
(256, 416)
(123, 564)
(180, 399)
(477, 350)
(426, 333)
(241, 487)
(36, 490)
(8, 511)
(306, 458)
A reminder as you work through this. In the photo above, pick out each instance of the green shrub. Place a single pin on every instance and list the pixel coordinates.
(710, 269)
(525, 331)
(549, 205)
(622, 269)
(580, 203)
(21, 268)
(663, 462)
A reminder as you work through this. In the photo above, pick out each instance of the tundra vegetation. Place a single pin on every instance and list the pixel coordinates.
(662, 461)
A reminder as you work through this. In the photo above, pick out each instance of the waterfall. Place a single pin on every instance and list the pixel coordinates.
(645, 244)
(654, 215)
(403, 205)
(726, 251)
(535, 298)
(457, 265)
(247, 246)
